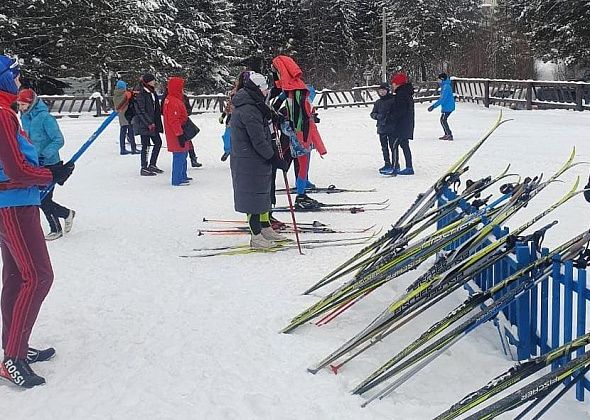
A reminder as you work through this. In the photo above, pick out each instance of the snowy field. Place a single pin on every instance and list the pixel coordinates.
(143, 334)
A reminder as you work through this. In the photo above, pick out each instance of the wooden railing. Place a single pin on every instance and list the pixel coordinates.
(516, 94)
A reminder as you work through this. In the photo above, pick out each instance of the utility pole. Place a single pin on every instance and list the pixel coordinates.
(384, 50)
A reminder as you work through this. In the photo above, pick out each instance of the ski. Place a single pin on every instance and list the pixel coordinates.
(514, 375)
(534, 390)
(315, 223)
(330, 189)
(245, 230)
(277, 248)
(353, 209)
(329, 205)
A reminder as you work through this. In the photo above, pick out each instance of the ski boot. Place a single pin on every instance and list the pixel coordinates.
(19, 373)
(34, 355)
(260, 242)
(52, 236)
(303, 201)
(276, 224)
(269, 234)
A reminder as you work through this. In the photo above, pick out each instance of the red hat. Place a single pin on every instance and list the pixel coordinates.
(399, 79)
(27, 96)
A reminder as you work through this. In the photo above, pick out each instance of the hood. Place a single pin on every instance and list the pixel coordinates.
(36, 108)
(121, 84)
(406, 89)
(445, 82)
(242, 97)
(175, 87)
(289, 73)
(8, 71)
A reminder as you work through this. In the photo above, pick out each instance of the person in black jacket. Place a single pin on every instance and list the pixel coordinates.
(402, 117)
(385, 127)
(147, 122)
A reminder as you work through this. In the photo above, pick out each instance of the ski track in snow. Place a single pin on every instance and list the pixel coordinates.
(143, 334)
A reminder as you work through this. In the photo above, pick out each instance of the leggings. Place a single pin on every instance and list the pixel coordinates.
(258, 221)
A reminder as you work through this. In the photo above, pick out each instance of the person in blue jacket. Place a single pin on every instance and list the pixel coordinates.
(43, 131)
(447, 105)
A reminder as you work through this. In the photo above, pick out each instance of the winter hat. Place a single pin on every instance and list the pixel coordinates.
(399, 79)
(259, 80)
(443, 76)
(27, 96)
(9, 69)
(148, 77)
(121, 84)
(384, 85)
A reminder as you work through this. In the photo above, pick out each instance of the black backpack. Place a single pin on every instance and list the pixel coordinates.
(130, 112)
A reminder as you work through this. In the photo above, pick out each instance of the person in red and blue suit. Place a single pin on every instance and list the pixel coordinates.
(27, 274)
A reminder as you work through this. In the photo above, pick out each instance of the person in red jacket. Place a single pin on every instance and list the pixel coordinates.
(27, 274)
(175, 115)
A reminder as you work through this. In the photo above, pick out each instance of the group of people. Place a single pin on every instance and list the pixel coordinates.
(394, 113)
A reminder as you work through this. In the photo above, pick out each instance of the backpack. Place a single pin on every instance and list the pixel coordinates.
(130, 111)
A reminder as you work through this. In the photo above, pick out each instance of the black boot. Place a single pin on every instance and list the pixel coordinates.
(20, 373)
(195, 163)
(303, 201)
(34, 355)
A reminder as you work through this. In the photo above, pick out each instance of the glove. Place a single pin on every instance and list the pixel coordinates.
(221, 118)
(279, 163)
(430, 108)
(182, 140)
(61, 172)
(152, 127)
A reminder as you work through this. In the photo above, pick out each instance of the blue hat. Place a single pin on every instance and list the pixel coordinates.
(121, 84)
(9, 69)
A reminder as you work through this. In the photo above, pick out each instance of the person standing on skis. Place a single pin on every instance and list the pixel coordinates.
(446, 103)
(27, 274)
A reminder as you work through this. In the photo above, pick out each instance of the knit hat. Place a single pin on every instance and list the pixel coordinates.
(443, 76)
(121, 84)
(385, 86)
(9, 69)
(148, 77)
(259, 80)
(399, 79)
(27, 96)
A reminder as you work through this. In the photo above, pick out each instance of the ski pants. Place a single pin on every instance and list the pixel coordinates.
(405, 146)
(388, 144)
(301, 166)
(179, 167)
(126, 131)
(445, 124)
(145, 145)
(53, 211)
(26, 276)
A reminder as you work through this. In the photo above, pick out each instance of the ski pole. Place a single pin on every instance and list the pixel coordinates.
(288, 188)
(83, 148)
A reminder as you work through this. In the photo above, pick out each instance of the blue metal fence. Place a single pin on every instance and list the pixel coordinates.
(544, 317)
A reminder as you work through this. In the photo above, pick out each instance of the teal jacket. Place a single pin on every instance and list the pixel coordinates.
(447, 99)
(43, 131)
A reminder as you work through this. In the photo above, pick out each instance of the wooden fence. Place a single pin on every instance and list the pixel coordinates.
(516, 94)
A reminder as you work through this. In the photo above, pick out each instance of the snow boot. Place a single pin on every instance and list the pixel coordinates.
(154, 168)
(146, 172)
(275, 223)
(407, 171)
(52, 236)
(195, 163)
(269, 234)
(19, 373)
(303, 201)
(34, 355)
(69, 221)
(260, 242)
(386, 168)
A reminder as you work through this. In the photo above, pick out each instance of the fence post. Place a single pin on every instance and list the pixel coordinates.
(579, 97)
(568, 303)
(544, 334)
(581, 325)
(529, 95)
(555, 306)
(325, 100)
(523, 320)
(486, 93)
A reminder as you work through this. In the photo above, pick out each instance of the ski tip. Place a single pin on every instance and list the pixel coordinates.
(335, 368)
(204, 219)
(200, 233)
(313, 371)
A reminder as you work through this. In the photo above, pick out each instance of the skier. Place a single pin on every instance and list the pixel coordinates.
(382, 114)
(121, 98)
(26, 273)
(175, 116)
(287, 78)
(447, 105)
(402, 116)
(147, 122)
(42, 129)
(251, 160)
(227, 111)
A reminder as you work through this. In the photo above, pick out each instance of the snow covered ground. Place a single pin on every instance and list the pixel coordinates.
(144, 334)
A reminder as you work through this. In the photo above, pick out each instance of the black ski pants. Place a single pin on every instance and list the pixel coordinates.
(53, 212)
(405, 145)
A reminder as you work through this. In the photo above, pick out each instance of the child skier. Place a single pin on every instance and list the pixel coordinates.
(447, 105)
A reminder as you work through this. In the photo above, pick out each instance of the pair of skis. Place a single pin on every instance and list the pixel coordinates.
(330, 189)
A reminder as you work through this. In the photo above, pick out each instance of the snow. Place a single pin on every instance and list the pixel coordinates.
(144, 334)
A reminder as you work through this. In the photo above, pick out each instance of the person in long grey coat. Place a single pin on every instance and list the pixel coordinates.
(251, 159)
